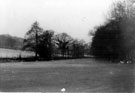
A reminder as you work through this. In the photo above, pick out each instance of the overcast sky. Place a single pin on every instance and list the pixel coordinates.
(75, 17)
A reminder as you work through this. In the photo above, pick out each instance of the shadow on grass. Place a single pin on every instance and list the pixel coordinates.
(31, 59)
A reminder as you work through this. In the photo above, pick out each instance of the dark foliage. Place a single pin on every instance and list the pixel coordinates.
(107, 41)
(44, 47)
(47, 46)
(116, 39)
(39, 41)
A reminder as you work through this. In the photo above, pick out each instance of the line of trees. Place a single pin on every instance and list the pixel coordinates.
(47, 45)
(116, 38)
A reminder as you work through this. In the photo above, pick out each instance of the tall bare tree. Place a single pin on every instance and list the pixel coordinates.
(32, 38)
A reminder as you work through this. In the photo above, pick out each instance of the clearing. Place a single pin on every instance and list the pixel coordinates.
(76, 75)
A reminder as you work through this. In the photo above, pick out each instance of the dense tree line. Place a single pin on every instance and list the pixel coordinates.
(115, 39)
(46, 44)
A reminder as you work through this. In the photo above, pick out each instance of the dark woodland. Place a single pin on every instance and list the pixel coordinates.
(115, 39)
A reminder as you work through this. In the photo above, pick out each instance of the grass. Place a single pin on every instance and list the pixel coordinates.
(79, 75)
(11, 53)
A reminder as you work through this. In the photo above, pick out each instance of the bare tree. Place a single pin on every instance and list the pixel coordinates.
(62, 41)
(32, 38)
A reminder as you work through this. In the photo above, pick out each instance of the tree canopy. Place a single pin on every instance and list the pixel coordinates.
(116, 38)
(62, 41)
(46, 44)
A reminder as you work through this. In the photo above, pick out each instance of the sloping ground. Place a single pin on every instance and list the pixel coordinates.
(10, 53)
(12, 42)
(80, 75)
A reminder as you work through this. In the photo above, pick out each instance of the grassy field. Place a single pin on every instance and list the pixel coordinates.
(10, 53)
(80, 75)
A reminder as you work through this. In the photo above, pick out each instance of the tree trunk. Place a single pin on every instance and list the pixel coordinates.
(36, 54)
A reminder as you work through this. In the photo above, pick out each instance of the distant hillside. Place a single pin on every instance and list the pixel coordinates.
(10, 42)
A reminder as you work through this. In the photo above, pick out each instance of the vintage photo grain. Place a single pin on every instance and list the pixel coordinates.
(63, 46)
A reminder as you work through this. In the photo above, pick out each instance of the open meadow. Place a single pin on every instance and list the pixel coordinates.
(11, 53)
(76, 75)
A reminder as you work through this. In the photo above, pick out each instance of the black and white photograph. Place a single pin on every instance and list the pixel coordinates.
(67, 46)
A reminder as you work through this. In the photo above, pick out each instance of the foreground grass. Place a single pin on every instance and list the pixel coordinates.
(80, 75)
